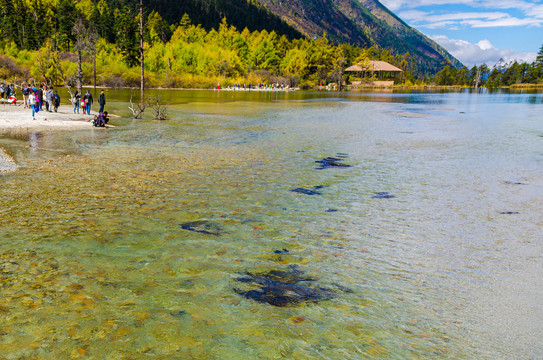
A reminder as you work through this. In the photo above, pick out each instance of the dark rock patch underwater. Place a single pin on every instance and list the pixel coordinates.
(202, 227)
(307, 191)
(332, 162)
(284, 288)
(383, 195)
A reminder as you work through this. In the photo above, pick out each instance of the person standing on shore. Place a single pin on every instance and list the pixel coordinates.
(88, 101)
(49, 98)
(76, 100)
(102, 101)
(39, 94)
(56, 101)
(33, 103)
(26, 95)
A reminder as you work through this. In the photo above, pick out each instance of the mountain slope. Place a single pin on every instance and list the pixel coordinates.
(362, 22)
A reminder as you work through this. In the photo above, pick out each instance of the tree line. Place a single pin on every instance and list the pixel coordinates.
(502, 74)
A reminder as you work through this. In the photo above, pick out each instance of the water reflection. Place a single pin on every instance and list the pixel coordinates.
(33, 141)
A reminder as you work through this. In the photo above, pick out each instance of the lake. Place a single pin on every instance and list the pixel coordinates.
(299, 225)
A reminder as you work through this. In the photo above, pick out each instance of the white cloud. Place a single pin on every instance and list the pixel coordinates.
(503, 22)
(488, 4)
(536, 12)
(393, 4)
(430, 17)
(431, 20)
(481, 53)
(533, 13)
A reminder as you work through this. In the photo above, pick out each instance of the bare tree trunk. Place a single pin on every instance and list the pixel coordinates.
(79, 82)
(64, 79)
(341, 66)
(142, 85)
(94, 53)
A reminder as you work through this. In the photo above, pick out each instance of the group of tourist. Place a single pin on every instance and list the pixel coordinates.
(260, 86)
(7, 91)
(84, 102)
(35, 98)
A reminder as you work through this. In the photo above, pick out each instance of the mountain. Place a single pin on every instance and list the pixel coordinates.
(358, 22)
(361, 22)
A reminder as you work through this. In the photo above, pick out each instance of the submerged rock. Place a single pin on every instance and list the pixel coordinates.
(514, 183)
(331, 162)
(306, 191)
(283, 288)
(202, 227)
(383, 195)
(178, 313)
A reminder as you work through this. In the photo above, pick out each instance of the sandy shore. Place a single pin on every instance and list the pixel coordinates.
(15, 117)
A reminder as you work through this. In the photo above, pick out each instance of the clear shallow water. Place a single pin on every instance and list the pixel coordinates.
(94, 261)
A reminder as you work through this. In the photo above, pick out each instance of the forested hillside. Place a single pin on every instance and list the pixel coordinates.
(248, 14)
(45, 40)
(183, 54)
(30, 23)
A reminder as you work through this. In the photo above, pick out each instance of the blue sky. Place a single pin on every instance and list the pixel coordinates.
(478, 31)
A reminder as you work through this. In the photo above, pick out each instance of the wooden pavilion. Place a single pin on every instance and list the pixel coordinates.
(380, 72)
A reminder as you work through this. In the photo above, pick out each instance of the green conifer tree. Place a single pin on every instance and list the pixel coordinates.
(66, 16)
(126, 28)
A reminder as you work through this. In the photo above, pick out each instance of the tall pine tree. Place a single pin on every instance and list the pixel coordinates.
(66, 18)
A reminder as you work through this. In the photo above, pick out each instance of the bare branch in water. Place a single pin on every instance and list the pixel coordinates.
(160, 109)
(138, 108)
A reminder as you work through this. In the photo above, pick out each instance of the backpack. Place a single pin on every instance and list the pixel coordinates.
(26, 91)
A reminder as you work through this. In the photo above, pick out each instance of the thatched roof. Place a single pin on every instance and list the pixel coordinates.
(375, 65)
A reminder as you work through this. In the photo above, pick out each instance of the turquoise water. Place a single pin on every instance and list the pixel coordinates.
(95, 261)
